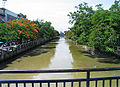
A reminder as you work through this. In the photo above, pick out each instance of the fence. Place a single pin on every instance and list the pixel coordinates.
(56, 82)
(11, 51)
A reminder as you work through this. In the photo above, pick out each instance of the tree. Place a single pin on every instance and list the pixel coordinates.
(46, 30)
(115, 6)
(98, 29)
(6, 30)
(82, 22)
(105, 32)
(99, 7)
(20, 15)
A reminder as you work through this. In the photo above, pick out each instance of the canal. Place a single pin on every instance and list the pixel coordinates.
(57, 54)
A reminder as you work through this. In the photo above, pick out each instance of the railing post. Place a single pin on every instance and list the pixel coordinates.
(88, 79)
(2, 55)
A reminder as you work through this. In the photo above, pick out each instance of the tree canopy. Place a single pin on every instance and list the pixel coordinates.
(23, 28)
(99, 29)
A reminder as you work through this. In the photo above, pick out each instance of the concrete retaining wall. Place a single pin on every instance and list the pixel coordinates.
(10, 52)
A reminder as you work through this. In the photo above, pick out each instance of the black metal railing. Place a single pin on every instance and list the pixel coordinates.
(63, 82)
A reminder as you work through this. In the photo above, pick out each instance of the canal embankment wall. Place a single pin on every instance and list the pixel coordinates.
(10, 52)
(84, 47)
(96, 52)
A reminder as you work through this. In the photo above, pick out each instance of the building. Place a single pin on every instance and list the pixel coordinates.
(2, 14)
(6, 15)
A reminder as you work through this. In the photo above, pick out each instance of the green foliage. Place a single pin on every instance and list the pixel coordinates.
(20, 15)
(99, 7)
(25, 29)
(46, 30)
(115, 6)
(104, 34)
(98, 29)
(6, 33)
(82, 22)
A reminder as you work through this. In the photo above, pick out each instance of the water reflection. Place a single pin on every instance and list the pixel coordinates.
(36, 59)
(58, 54)
(61, 60)
(85, 60)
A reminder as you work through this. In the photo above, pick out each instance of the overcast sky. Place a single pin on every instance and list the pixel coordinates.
(54, 11)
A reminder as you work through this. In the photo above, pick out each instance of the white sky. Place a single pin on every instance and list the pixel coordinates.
(54, 11)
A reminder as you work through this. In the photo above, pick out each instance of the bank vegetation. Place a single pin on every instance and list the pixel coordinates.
(22, 29)
(98, 29)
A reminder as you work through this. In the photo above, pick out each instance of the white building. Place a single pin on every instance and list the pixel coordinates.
(6, 15)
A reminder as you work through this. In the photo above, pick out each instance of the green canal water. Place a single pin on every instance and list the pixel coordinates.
(57, 54)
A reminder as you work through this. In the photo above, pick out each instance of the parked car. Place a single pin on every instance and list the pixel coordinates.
(1, 43)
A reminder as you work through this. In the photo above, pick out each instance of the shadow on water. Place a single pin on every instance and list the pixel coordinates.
(83, 59)
(41, 49)
(103, 58)
(37, 51)
(112, 61)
